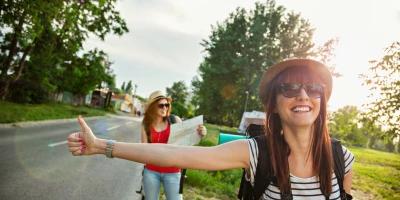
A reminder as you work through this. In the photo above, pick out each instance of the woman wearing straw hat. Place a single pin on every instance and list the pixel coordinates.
(156, 129)
(294, 93)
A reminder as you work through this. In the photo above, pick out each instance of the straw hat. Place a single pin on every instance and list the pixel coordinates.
(156, 96)
(319, 69)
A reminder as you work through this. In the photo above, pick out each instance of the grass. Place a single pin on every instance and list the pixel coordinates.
(375, 172)
(222, 184)
(11, 112)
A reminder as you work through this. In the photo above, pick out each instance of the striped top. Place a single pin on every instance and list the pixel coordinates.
(302, 188)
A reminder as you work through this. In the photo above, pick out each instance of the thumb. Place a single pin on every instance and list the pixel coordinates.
(83, 124)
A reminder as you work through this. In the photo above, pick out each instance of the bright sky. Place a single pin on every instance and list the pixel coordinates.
(163, 47)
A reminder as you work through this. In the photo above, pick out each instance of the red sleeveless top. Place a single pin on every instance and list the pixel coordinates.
(161, 137)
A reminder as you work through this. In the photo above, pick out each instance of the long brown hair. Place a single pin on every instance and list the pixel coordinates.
(321, 153)
(150, 117)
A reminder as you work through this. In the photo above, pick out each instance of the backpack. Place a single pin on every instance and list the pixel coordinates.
(264, 174)
(171, 120)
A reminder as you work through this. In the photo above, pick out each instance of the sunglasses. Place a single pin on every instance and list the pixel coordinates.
(290, 90)
(161, 105)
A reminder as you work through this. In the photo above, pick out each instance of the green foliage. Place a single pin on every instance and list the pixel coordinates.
(344, 126)
(41, 41)
(238, 52)
(123, 86)
(384, 84)
(118, 91)
(178, 92)
(129, 88)
(222, 184)
(179, 110)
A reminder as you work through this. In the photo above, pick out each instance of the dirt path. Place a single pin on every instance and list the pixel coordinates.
(360, 195)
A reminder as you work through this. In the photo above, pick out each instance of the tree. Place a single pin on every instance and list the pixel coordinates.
(179, 109)
(178, 92)
(384, 84)
(344, 126)
(238, 52)
(128, 89)
(123, 86)
(85, 73)
(370, 130)
(65, 25)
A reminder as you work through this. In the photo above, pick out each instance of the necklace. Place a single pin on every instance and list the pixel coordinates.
(159, 134)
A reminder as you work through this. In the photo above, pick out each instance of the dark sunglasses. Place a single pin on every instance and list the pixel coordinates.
(290, 90)
(161, 105)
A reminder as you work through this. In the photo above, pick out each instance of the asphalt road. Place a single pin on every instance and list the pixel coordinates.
(35, 162)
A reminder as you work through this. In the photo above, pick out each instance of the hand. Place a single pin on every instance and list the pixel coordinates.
(201, 130)
(82, 143)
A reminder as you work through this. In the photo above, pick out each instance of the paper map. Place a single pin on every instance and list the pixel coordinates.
(185, 133)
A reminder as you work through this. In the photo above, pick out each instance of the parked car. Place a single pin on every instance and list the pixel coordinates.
(127, 110)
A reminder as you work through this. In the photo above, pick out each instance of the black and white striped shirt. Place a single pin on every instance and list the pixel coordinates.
(302, 188)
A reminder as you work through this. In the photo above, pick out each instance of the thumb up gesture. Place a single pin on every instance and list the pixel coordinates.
(82, 143)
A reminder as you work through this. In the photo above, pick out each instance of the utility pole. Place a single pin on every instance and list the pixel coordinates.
(247, 96)
(134, 93)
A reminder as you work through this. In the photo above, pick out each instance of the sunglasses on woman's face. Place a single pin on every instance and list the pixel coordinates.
(161, 105)
(290, 90)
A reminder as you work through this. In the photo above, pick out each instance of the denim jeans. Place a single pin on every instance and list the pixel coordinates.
(152, 181)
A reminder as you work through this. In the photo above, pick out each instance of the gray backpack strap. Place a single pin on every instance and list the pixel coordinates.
(264, 172)
(338, 159)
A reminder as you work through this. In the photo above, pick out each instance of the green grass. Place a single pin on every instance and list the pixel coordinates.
(11, 112)
(222, 184)
(377, 172)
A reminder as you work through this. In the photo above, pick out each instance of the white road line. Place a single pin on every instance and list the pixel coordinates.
(64, 142)
(112, 128)
(58, 143)
(129, 123)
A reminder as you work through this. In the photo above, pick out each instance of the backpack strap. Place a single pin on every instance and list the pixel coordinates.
(339, 168)
(171, 119)
(264, 172)
(183, 176)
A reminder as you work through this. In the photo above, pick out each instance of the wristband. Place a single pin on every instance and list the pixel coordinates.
(110, 146)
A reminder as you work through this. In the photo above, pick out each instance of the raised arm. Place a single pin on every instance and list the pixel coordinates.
(227, 156)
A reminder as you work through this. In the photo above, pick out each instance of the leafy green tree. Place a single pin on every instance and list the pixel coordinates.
(118, 91)
(384, 84)
(128, 88)
(64, 25)
(238, 52)
(179, 109)
(85, 73)
(344, 126)
(123, 86)
(178, 92)
(372, 131)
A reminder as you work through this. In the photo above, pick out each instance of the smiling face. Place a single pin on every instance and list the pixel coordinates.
(301, 110)
(161, 110)
(297, 111)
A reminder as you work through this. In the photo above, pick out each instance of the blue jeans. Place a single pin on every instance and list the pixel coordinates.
(170, 181)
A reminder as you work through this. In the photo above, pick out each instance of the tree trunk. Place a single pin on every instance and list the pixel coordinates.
(10, 57)
(23, 59)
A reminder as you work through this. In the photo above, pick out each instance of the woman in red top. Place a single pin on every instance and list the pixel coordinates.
(156, 129)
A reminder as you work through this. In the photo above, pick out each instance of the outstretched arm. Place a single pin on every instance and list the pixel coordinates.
(227, 156)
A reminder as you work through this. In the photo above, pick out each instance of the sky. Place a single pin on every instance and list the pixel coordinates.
(163, 45)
